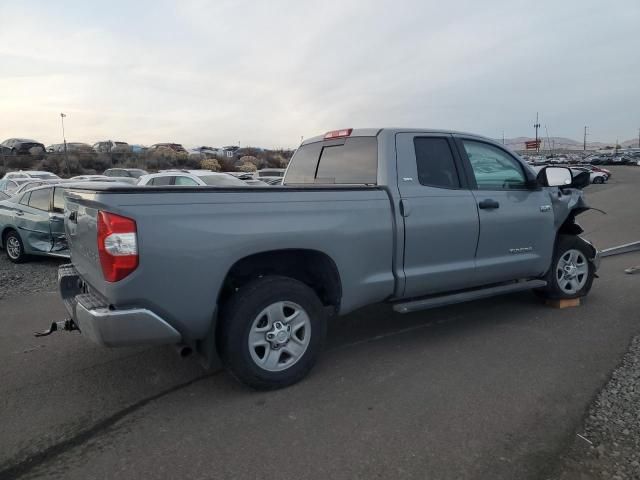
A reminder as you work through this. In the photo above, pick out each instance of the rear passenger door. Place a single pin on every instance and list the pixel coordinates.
(517, 232)
(32, 220)
(439, 214)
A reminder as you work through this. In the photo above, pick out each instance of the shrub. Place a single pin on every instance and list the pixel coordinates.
(247, 167)
(210, 164)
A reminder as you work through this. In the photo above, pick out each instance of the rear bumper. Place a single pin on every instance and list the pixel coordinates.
(111, 327)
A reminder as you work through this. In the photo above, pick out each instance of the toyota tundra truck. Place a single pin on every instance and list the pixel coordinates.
(250, 276)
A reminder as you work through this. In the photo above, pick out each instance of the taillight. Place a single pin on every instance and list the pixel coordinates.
(117, 246)
(345, 132)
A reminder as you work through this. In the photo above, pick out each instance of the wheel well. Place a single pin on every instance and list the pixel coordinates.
(5, 232)
(311, 267)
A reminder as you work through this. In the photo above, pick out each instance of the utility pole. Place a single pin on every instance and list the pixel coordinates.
(639, 138)
(503, 137)
(537, 126)
(64, 140)
(584, 143)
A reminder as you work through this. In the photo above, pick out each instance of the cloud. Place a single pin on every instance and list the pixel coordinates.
(265, 73)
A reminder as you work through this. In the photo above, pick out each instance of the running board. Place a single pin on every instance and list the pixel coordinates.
(442, 300)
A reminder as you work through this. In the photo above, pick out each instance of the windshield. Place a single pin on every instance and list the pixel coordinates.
(222, 180)
(136, 172)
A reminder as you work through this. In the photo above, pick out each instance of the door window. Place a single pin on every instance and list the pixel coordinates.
(161, 181)
(493, 168)
(58, 200)
(186, 181)
(436, 167)
(40, 199)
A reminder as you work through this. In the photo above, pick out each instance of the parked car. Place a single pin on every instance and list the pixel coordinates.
(254, 182)
(89, 177)
(190, 178)
(28, 185)
(205, 151)
(10, 185)
(125, 172)
(176, 147)
(135, 148)
(111, 146)
(272, 180)
(23, 146)
(271, 172)
(416, 218)
(72, 147)
(32, 174)
(32, 224)
(594, 177)
(104, 178)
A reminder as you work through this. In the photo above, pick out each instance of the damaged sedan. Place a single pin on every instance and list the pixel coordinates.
(33, 224)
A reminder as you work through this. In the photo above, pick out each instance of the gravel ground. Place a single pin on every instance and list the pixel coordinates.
(611, 444)
(39, 274)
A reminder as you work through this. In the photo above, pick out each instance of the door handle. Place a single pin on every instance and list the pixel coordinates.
(405, 208)
(19, 213)
(488, 204)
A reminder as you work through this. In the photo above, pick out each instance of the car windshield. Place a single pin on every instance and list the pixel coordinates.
(221, 180)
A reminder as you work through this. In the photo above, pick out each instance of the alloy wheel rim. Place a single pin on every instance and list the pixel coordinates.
(279, 336)
(13, 247)
(572, 271)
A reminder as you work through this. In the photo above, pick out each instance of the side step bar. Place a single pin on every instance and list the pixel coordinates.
(442, 300)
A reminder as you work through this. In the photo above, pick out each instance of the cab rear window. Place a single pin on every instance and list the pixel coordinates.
(354, 161)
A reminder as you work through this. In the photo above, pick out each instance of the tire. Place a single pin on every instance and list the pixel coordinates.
(571, 274)
(598, 180)
(14, 247)
(286, 324)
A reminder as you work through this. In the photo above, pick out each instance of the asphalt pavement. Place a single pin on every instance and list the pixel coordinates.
(489, 389)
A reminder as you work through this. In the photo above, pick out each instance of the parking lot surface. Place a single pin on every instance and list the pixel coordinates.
(489, 389)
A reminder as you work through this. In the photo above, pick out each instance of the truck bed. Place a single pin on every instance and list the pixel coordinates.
(188, 239)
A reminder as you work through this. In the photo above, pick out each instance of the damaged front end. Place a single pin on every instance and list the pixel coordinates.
(567, 204)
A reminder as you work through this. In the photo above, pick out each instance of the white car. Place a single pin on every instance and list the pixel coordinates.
(35, 174)
(191, 178)
(594, 177)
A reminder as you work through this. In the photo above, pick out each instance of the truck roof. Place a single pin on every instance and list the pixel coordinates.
(374, 132)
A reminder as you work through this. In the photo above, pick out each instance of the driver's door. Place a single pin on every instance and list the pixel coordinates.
(517, 232)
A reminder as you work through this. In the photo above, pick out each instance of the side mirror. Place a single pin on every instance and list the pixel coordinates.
(555, 177)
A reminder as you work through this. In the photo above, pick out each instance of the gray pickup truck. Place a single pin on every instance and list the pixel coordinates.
(416, 218)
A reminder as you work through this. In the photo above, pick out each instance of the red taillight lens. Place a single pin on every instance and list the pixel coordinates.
(345, 132)
(117, 245)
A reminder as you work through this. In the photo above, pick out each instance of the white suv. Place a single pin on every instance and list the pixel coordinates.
(191, 178)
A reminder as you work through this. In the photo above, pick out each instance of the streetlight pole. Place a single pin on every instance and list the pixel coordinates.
(584, 144)
(537, 126)
(64, 140)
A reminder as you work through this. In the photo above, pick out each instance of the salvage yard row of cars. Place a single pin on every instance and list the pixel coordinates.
(32, 205)
(26, 146)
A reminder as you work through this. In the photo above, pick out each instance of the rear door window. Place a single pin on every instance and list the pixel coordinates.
(436, 166)
(353, 162)
(58, 200)
(40, 199)
(185, 181)
(162, 181)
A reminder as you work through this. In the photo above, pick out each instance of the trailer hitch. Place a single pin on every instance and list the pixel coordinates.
(69, 325)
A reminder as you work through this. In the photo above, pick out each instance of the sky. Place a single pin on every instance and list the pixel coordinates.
(266, 73)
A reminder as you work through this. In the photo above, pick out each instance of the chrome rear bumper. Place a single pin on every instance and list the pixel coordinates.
(109, 326)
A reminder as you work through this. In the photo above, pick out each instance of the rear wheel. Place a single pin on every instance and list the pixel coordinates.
(271, 332)
(14, 247)
(571, 274)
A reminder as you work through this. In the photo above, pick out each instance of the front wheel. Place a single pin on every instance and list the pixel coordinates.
(271, 332)
(14, 247)
(598, 180)
(571, 274)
